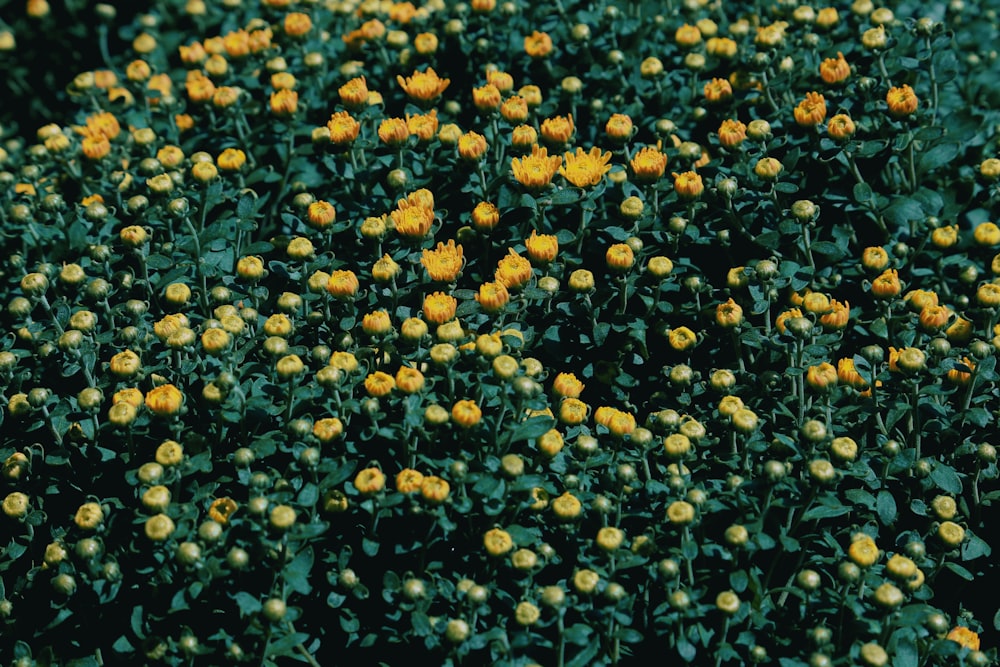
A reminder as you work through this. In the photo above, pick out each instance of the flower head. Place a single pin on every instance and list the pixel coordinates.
(538, 44)
(343, 128)
(412, 220)
(444, 263)
(535, 171)
(902, 101)
(558, 129)
(811, 111)
(585, 169)
(835, 70)
(648, 164)
(423, 86)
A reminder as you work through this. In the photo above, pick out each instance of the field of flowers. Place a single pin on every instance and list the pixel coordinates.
(573, 333)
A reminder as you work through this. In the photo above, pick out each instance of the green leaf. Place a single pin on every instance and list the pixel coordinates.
(686, 650)
(532, 428)
(938, 156)
(248, 604)
(902, 211)
(906, 649)
(959, 570)
(296, 575)
(825, 512)
(886, 508)
(975, 547)
(946, 479)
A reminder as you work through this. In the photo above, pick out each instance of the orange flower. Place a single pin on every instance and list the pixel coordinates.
(485, 216)
(514, 109)
(472, 146)
(688, 185)
(960, 377)
(585, 169)
(934, 318)
(837, 317)
(321, 214)
(423, 126)
(284, 102)
(558, 129)
(902, 101)
(887, 285)
(393, 131)
(649, 164)
(444, 263)
(343, 128)
(423, 86)
(849, 375)
(811, 111)
(822, 377)
(487, 98)
(513, 271)
(221, 509)
(732, 133)
(379, 384)
(538, 44)
(718, 90)
(728, 314)
(964, 637)
(566, 385)
(542, 248)
(466, 413)
(835, 70)
(409, 380)
(439, 307)
(369, 481)
(841, 127)
(503, 81)
(523, 137)
(619, 257)
(535, 171)
(165, 400)
(342, 284)
(619, 127)
(409, 480)
(412, 220)
(297, 24)
(573, 411)
(354, 93)
(492, 296)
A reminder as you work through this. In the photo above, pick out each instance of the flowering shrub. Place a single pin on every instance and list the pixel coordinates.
(349, 332)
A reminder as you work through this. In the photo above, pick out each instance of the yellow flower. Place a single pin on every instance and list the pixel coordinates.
(221, 509)
(729, 314)
(538, 44)
(412, 220)
(811, 111)
(680, 512)
(964, 637)
(393, 131)
(619, 127)
(165, 400)
(409, 480)
(472, 146)
(343, 128)
(558, 129)
(567, 507)
(439, 307)
(369, 481)
(231, 159)
(443, 264)
(354, 93)
(423, 126)
(732, 133)
(718, 90)
(513, 270)
(535, 171)
(485, 216)
(688, 185)
(466, 413)
(841, 127)
(902, 101)
(159, 527)
(835, 70)
(492, 296)
(89, 516)
(486, 98)
(497, 542)
(682, 339)
(585, 169)
(284, 102)
(423, 86)
(542, 248)
(863, 551)
(434, 490)
(342, 284)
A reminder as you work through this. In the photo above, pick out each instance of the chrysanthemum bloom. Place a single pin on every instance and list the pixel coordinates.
(231, 159)
(492, 296)
(393, 131)
(619, 127)
(343, 128)
(221, 510)
(935, 318)
(721, 47)
(379, 384)
(439, 307)
(297, 24)
(538, 44)
(444, 263)
(732, 133)
(472, 146)
(497, 542)
(523, 137)
(165, 400)
(558, 129)
(466, 413)
(423, 126)
(542, 248)
(682, 339)
(321, 214)
(343, 284)
(485, 216)
(95, 147)
(412, 220)
(514, 109)
(385, 269)
(423, 86)
(811, 111)
(835, 70)
(486, 98)
(838, 316)
(567, 385)
(376, 323)
(902, 101)
(718, 90)
(768, 168)
(863, 551)
(585, 169)
(729, 314)
(688, 185)
(535, 171)
(354, 93)
(649, 164)
(284, 102)
(573, 411)
(328, 429)
(409, 380)
(840, 127)
(886, 285)
(964, 637)
(848, 374)
(619, 257)
(409, 480)
(822, 377)
(199, 87)
(513, 270)
(369, 481)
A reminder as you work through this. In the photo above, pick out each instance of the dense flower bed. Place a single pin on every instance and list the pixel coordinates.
(572, 334)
